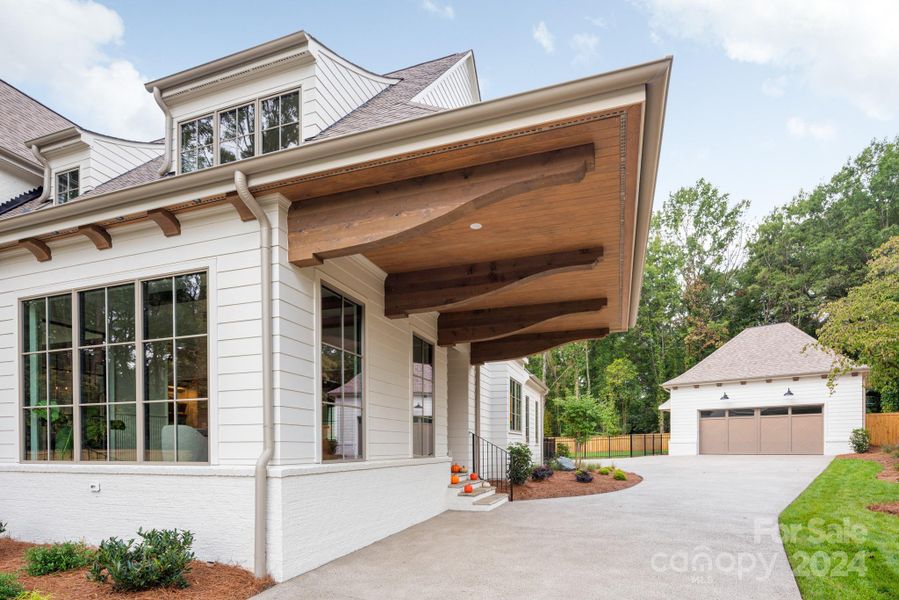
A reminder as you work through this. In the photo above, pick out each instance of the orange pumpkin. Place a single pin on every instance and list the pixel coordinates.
(455, 468)
(454, 479)
(473, 476)
(468, 489)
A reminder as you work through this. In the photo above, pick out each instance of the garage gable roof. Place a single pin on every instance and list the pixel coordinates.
(769, 351)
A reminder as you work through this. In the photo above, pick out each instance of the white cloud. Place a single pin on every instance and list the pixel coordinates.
(774, 86)
(585, 46)
(543, 37)
(596, 21)
(441, 10)
(61, 45)
(800, 129)
(845, 49)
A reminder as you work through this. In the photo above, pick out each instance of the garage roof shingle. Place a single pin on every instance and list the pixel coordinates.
(765, 352)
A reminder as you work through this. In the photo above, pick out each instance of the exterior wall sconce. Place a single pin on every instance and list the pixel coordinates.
(788, 393)
(725, 396)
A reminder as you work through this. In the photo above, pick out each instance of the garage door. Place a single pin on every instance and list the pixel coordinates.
(769, 430)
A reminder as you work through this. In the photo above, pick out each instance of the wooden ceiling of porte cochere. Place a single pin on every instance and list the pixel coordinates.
(520, 242)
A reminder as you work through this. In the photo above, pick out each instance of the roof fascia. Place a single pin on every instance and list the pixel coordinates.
(317, 46)
(20, 163)
(668, 385)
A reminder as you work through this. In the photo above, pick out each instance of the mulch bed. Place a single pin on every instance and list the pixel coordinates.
(563, 484)
(208, 581)
(890, 472)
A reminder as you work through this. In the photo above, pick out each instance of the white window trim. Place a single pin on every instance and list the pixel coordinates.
(211, 368)
(257, 133)
(56, 186)
(324, 281)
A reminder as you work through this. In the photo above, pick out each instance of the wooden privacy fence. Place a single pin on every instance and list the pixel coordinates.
(606, 446)
(883, 428)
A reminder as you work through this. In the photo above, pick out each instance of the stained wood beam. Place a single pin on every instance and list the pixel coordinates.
(439, 289)
(526, 344)
(168, 223)
(359, 221)
(98, 235)
(38, 248)
(243, 211)
(492, 323)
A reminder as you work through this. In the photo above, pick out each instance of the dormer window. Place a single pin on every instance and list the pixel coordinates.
(237, 133)
(67, 186)
(196, 144)
(280, 122)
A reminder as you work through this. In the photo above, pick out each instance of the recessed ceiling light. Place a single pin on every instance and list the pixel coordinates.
(475, 226)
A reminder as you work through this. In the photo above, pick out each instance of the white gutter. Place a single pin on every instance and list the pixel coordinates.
(167, 159)
(261, 476)
(45, 192)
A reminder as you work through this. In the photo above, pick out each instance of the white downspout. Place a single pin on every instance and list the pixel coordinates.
(167, 160)
(45, 192)
(261, 476)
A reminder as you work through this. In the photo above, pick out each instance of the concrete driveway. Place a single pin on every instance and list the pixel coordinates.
(696, 527)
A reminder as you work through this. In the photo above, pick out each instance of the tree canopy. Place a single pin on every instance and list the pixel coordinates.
(709, 275)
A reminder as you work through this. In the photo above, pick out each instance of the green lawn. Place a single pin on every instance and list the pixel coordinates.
(838, 548)
(616, 454)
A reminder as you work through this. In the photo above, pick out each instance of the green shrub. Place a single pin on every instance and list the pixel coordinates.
(9, 586)
(860, 441)
(619, 475)
(33, 595)
(520, 460)
(604, 470)
(41, 560)
(160, 559)
(563, 450)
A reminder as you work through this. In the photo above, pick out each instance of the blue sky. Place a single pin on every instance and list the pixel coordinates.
(766, 97)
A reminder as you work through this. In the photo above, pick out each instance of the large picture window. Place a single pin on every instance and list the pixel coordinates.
(341, 377)
(514, 405)
(422, 397)
(85, 355)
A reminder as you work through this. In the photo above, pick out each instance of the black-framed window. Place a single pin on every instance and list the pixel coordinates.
(197, 144)
(68, 185)
(712, 414)
(84, 356)
(527, 419)
(280, 122)
(342, 378)
(514, 405)
(237, 133)
(422, 397)
(807, 410)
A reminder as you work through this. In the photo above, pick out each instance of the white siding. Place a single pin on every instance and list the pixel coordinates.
(14, 181)
(843, 411)
(109, 158)
(339, 89)
(452, 89)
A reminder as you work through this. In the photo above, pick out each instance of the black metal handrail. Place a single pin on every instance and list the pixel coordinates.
(491, 463)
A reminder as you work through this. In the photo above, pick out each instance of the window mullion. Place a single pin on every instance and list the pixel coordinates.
(139, 369)
(76, 374)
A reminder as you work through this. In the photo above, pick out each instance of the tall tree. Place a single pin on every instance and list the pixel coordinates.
(621, 387)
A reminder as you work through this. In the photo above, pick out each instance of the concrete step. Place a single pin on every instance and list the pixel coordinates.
(463, 482)
(477, 491)
(491, 500)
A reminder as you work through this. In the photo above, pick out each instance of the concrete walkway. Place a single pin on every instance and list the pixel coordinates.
(687, 531)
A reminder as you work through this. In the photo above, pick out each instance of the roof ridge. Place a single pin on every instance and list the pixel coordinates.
(425, 62)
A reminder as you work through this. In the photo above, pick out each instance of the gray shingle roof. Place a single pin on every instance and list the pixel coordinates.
(765, 352)
(140, 174)
(394, 103)
(23, 118)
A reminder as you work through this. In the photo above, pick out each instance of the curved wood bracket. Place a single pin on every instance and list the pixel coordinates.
(438, 289)
(526, 344)
(168, 223)
(38, 248)
(358, 221)
(241, 207)
(98, 235)
(492, 323)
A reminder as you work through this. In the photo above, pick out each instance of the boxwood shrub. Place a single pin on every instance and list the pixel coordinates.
(42, 560)
(860, 441)
(160, 559)
(9, 586)
(620, 475)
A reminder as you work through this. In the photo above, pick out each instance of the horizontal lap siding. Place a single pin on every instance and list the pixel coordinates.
(451, 90)
(843, 411)
(215, 239)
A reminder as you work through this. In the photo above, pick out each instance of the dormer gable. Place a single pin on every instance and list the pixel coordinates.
(265, 99)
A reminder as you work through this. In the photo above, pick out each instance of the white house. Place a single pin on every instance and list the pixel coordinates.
(765, 392)
(269, 327)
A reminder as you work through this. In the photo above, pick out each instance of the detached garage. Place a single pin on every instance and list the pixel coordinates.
(765, 392)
